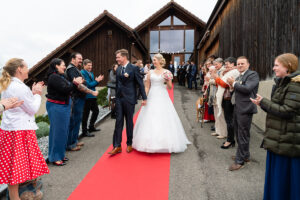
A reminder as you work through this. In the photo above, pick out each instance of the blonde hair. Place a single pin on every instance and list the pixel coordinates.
(289, 61)
(9, 70)
(161, 59)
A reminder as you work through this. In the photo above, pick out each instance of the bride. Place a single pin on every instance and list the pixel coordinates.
(158, 127)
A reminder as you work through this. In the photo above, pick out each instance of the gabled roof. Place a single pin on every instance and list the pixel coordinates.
(80, 33)
(166, 8)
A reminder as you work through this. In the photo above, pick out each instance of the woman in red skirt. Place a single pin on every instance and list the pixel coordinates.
(20, 156)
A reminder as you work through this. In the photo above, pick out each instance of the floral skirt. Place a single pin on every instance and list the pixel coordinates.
(20, 157)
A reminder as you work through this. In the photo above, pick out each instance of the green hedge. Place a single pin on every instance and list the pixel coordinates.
(42, 118)
(101, 98)
(43, 129)
(43, 124)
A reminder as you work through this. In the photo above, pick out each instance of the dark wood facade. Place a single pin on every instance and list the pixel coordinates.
(258, 29)
(99, 40)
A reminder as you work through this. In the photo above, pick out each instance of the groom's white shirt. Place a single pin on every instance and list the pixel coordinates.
(126, 65)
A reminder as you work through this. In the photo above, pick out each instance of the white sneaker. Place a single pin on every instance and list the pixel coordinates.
(214, 134)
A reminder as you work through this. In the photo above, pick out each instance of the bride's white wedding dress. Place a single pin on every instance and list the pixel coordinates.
(158, 127)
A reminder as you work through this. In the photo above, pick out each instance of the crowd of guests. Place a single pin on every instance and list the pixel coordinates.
(229, 96)
(230, 89)
(71, 95)
(187, 72)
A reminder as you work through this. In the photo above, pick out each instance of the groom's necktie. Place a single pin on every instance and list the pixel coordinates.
(123, 70)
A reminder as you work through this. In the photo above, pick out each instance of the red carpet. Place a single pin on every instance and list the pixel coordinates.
(134, 176)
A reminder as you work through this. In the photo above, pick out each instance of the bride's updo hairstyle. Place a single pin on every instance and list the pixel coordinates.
(161, 59)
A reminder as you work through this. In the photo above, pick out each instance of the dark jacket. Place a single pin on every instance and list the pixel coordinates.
(59, 89)
(72, 72)
(126, 86)
(244, 90)
(282, 135)
(90, 82)
(193, 71)
(188, 70)
(112, 83)
(171, 68)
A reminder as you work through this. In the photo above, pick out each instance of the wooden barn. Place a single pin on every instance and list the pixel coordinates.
(172, 31)
(258, 29)
(97, 41)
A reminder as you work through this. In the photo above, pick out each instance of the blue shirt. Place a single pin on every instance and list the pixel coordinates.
(90, 81)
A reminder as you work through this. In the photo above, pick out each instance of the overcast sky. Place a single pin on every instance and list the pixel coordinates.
(31, 29)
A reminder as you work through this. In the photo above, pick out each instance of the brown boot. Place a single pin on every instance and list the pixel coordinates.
(129, 149)
(235, 166)
(115, 150)
(246, 160)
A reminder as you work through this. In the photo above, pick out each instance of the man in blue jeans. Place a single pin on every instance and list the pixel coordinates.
(78, 97)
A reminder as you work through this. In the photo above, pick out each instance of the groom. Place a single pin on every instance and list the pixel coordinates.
(128, 76)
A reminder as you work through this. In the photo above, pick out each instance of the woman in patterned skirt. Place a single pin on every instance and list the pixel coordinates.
(20, 157)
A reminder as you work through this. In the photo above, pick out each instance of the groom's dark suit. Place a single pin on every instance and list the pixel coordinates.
(125, 100)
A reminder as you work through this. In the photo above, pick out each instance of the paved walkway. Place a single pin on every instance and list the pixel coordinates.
(199, 173)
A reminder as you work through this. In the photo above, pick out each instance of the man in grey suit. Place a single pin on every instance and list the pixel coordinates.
(244, 87)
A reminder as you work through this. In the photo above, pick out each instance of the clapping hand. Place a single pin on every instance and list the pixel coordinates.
(257, 100)
(99, 78)
(95, 93)
(11, 103)
(230, 81)
(78, 80)
(37, 88)
(214, 74)
(206, 78)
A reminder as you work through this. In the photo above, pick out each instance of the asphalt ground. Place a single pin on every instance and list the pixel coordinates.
(201, 172)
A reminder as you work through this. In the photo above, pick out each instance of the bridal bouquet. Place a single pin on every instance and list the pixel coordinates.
(167, 75)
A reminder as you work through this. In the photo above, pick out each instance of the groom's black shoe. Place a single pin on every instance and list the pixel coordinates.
(129, 149)
(115, 150)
